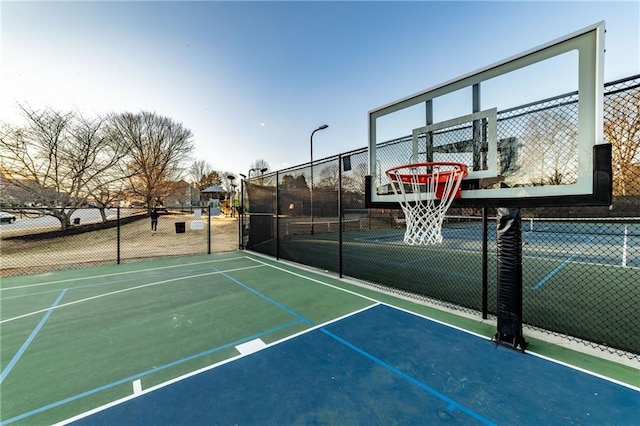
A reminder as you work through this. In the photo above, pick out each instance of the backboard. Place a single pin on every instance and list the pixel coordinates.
(529, 129)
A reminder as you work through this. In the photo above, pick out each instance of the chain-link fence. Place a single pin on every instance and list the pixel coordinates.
(581, 265)
(35, 242)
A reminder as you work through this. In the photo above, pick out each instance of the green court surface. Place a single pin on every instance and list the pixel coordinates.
(74, 340)
(561, 273)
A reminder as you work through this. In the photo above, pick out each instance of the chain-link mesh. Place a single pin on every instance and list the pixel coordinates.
(537, 144)
(36, 242)
(296, 215)
(581, 265)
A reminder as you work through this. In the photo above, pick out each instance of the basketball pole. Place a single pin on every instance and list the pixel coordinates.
(509, 239)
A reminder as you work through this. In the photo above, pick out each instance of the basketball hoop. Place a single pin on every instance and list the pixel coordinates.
(425, 192)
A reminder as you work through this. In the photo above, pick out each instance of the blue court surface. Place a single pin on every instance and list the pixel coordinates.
(380, 366)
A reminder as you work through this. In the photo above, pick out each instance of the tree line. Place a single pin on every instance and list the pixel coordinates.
(63, 160)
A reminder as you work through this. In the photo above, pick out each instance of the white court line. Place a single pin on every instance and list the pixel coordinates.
(377, 301)
(251, 346)
(203, 369)
(565, 364)
(624, 248)
(93, 277)
(314, 280)
(137, 387)
(293, 336)
(127, 289)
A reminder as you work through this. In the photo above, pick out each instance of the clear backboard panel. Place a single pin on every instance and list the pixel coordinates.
(528, 129)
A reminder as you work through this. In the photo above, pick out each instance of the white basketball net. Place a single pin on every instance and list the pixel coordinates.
(425, 192)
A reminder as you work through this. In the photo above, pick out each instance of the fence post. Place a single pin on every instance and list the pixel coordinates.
(485, 266)
(277, 218)
(209, 229)
(340, 216)
(241, 216)
(118, 235)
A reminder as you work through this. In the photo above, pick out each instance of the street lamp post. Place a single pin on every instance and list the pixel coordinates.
(241, 213)
(256, 169)
(324, 126)
(233, 190)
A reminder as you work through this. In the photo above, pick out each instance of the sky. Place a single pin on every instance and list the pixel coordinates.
(252, 80)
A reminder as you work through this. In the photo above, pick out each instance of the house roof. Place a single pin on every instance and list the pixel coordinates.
(214, 189)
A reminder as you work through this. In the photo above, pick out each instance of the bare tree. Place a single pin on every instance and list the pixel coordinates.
(548, 153)
(260, 165)
(111, 188)
(198, 170)
(108, 181)
(203, 174)
(329, 177)
(355, 181)
(622, 130)
(160, 147)
(58, 158)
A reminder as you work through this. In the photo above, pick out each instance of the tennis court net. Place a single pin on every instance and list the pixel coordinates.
(627, 226)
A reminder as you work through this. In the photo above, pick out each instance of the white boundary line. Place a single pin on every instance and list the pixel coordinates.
(376, 303)
(591, 373)
(469, 332)
(137, 271)
(528, 352)
(624, 248)
(99, 296)
(314, 280)
(303, 332)
(459, 328)
(207, 368)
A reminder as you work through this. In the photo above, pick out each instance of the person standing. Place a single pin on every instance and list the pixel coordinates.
(154, 220)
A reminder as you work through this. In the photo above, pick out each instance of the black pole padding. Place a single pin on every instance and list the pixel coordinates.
(509, 243)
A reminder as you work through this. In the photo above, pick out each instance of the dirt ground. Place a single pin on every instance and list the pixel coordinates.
(136, 241)
(227, 232)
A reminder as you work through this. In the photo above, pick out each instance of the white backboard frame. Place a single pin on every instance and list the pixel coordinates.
(589, 44)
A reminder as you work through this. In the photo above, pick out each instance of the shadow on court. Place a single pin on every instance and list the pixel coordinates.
(381, 366)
